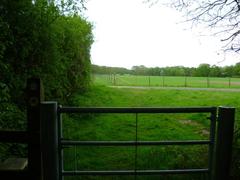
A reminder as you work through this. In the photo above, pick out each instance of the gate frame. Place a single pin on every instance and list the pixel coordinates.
(219, 167)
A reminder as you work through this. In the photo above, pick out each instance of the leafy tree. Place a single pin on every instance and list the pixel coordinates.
(109, 70)
(215, 71)
(45, 39)
(228, 71)
(139, 70)
(37, 39)
(203, 70)
(236, 69)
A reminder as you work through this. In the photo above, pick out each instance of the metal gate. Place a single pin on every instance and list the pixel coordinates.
(53, 142)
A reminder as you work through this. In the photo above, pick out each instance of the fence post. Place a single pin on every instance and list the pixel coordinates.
(49, 140)
(224, 143)
(208, 83)
(185, 83)
(163, 81)
(34, 97)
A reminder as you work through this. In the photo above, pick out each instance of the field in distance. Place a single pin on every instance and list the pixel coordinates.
(166, 81)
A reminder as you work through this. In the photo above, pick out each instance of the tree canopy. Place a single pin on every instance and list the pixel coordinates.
(41, 38)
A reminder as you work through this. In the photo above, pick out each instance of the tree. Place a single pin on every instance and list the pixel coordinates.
(140, 70)
(203, 70)
(215, 71)
(228, 71)
(37, 39)
(236, 70)
(222, 15)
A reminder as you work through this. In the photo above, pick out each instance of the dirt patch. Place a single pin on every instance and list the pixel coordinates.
(203, 132)
(220, 82)
(186, 122)
(178, 88)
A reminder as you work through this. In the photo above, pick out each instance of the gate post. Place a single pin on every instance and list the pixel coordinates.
(224, 143)
(49, 140)
(34, 97)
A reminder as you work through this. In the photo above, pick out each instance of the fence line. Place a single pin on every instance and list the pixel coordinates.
(167, 81)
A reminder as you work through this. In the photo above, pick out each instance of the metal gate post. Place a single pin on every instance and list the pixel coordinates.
(224, 143)
(49, 140)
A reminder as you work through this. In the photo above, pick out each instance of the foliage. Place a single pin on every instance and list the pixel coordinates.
(39, 39)
(203, 70)
(71, 42)
(109, 70)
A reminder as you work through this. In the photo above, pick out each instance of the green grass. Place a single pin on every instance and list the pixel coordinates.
(167, 81)
(150, 127)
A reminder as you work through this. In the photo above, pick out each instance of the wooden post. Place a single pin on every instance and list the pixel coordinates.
(114, 79)
(49, 141)
(163, 81)
(208, 83)
(185, 83)
(149, 81)
(224, 143)
(34, 97)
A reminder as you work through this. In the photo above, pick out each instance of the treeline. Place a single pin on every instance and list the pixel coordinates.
(109, 70)
(40, 38)
(203, 70)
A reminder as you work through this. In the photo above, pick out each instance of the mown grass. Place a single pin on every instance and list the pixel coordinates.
(167, 81)
(150, 127)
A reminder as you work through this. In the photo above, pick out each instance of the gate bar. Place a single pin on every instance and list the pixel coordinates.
(133, 172)
(212, 118)
(14, 137)
(137, 110)
(131, 143)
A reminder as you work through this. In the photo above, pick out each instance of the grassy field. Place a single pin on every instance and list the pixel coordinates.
(150, 127)
(167, 81)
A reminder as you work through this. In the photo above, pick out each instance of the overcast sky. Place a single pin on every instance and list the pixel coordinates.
(129, 32)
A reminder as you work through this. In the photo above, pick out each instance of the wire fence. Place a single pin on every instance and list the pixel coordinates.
(166, 81)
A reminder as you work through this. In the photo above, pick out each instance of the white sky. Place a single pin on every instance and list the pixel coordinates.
(128, 33)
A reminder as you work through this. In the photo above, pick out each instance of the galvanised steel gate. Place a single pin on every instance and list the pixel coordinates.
(53, 142)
